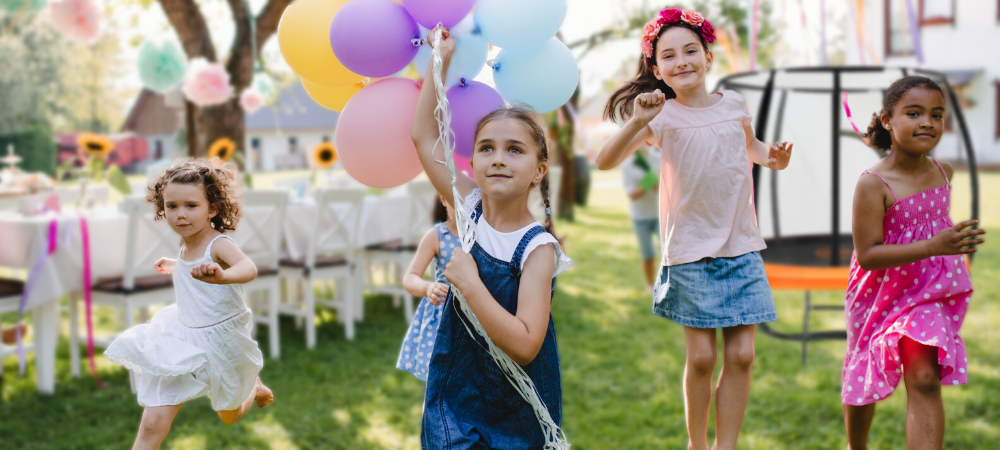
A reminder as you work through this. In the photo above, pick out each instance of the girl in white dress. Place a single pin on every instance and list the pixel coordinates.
(201, 345)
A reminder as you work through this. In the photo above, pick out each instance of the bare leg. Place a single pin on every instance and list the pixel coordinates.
(261, 395)
(924, 409)
(733, 389)
(648, 267)
(698, 369)
(858, 420)
(155, 424)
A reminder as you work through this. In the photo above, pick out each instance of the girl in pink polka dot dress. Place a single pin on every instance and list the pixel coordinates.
(909, 286)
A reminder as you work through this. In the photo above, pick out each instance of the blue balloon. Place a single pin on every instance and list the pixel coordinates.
(519, 24)
(471, 51)
(542, 77)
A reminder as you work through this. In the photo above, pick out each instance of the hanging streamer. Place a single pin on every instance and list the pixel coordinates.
(47, 250)
(555, 439)
(754, 18)
(911, 14)
(822, 31)
(735, 39)
(847, 110)
(727, 48)
(85, 238)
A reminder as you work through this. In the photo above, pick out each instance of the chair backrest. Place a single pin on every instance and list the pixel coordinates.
(260, 230)
(335, 227)
(146, 240)
(420, 213)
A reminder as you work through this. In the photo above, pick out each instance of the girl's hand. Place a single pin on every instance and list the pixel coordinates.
(954, 241)
(437, 293)
(462, 270)
(778, 155)
(164, 265)
(447, 43)
(648, 105)
(209, 273)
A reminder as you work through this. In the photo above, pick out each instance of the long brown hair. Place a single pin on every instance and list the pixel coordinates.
(219, 184)
(621, 102)
(526, 116)
(877, 135)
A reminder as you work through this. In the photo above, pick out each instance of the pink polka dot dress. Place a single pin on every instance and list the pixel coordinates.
(925, 301)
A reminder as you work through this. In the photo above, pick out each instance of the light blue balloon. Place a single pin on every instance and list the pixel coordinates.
(471, 51)
(543, 77)
(519, 24)
(161, 67)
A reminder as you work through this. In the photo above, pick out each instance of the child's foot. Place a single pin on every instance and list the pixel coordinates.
(264, 395)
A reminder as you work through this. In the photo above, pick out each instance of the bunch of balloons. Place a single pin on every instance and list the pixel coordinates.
(347, 53)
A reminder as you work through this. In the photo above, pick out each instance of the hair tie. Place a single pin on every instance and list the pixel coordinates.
(548, 210)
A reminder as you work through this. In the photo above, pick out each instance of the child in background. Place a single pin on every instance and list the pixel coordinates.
(641, 173)
(437, 245)
(712, 275)
(507, 278)
(201, 345)
(909, 287)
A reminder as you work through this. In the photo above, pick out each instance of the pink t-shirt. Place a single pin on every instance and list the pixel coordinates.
(706, 189)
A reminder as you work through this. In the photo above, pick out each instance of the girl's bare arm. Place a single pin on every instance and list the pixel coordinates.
(413, 280)
(634, 133)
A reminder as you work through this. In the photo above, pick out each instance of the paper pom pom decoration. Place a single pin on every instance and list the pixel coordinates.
(161, 67)
(15, 6)
(251, 100)
(77, 20)
(206, 84)
(223, 148)
(263, 84)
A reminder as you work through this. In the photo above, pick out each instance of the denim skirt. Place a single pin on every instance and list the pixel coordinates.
(715, 292)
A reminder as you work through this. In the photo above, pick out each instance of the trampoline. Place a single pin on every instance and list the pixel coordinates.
(804, 212)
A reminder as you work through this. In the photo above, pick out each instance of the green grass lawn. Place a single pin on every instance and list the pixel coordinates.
(621, 368)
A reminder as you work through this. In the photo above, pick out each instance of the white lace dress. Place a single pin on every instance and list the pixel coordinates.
(199, 346)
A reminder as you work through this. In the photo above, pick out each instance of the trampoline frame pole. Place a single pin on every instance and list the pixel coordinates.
(776, 224)
(760, 129)
(835, 174)
(973, 172)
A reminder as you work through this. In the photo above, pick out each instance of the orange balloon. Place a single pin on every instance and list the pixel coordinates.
(304, 39)
(331, 97)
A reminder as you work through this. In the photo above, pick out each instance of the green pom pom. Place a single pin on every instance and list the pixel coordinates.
(13, 6)
(161, 67)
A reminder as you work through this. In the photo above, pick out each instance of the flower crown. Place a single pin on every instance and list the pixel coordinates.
(674, 15)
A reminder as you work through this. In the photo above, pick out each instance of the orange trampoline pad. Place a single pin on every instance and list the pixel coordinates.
(781, 276)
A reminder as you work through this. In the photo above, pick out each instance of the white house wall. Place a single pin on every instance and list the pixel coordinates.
(967, 44)
(273, 145)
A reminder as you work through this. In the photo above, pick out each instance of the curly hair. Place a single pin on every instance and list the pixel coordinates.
(877, 136)
(220, 189)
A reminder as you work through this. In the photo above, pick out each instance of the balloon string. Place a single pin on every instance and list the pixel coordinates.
(555, 438)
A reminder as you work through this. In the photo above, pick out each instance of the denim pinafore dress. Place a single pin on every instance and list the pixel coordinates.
(470, 402)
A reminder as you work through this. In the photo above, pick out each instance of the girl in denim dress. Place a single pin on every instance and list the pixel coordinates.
(711, 274)
(508, 279)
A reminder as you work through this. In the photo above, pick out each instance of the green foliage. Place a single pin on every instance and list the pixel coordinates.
(32, 88)
(35, 147)
(117, 180)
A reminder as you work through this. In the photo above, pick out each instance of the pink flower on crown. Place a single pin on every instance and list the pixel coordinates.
(671, 15)
(649, 33)
(708, 32)
(692, 17)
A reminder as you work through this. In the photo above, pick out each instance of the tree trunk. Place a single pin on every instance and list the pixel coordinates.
(220, 121)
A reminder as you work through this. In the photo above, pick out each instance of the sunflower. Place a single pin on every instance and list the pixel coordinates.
(324, 155)
(95, 144)
(223, 148)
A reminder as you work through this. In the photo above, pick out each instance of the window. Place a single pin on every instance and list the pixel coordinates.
(934, 12)
(898, 37)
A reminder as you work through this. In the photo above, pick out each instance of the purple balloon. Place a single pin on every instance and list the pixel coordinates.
(429, 12)
(469, 104)
(372, 37)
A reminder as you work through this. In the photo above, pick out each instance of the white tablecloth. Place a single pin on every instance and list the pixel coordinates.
(381, 221)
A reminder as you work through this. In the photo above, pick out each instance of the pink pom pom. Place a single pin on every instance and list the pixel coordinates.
(251, 100)
(77, 20)
(206, 84)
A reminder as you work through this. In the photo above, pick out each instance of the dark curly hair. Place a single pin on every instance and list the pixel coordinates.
(220, 189)
(527, 117)
(880, 138)
(621, 102)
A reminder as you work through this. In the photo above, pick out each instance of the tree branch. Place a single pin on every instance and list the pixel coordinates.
(241, 62)
(186, 18)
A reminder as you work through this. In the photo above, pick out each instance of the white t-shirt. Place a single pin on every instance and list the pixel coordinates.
(647, 206)
(502, 246)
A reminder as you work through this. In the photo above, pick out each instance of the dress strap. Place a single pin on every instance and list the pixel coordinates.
(946, 180)
(515, 262)
(894, 198)
(208, 250)
(478, 212)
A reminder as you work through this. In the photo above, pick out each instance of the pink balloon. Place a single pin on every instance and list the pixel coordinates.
(373, 134)
(429, 12)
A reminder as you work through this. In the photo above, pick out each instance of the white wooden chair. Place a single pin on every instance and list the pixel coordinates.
(140, 286)
(331, 254)
(10, 299)
(396, 255)
(259, 235)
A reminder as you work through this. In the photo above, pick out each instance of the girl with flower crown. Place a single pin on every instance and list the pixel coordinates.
(711, 274)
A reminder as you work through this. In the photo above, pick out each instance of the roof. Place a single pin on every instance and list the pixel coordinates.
(151, 116)
(293, 110)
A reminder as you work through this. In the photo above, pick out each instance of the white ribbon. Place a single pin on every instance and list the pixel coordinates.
(555, 439)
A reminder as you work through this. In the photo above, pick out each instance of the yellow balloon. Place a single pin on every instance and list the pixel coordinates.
(331, 97)
(304, 39)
